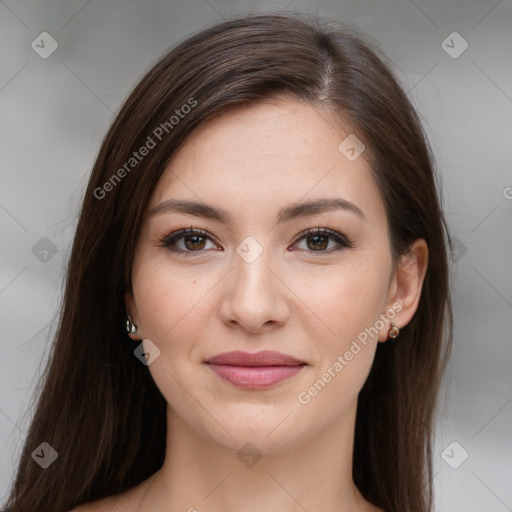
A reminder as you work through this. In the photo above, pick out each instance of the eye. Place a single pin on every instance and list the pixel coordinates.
(191, 240)
(317, 240)
(194, 241)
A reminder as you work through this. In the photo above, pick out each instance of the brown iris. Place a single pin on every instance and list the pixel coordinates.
(198, 242)
(322, 245)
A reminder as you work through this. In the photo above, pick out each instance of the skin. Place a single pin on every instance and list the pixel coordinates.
(304, 302)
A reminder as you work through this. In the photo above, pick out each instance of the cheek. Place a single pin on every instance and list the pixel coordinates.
(176, 308)
(348, 303)
(172, 310)
(349, 298)
(170, 301)
(348, 307)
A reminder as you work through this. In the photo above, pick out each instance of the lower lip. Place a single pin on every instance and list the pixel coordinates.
(255, 377)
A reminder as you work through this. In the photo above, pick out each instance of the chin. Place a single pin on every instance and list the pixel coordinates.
(270, 434)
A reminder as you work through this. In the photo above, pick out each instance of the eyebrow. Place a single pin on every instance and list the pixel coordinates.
(293, 211)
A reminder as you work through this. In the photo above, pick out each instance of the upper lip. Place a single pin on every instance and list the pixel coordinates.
(263, 358)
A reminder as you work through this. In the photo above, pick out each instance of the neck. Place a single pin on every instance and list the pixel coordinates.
(313, 473)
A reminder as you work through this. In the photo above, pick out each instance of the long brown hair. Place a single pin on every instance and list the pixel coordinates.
(98, 406)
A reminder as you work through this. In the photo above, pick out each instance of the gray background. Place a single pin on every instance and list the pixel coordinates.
(56, 110)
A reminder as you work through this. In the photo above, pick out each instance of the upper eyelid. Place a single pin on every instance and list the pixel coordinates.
(320, 231)
(181, 232)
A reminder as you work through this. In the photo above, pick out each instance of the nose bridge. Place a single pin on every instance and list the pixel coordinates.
(255, 295)
(253, 278)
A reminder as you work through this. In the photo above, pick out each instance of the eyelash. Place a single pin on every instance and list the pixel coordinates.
(173, 237)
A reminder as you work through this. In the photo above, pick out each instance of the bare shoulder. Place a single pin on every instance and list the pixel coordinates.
(127, 501)
(370, 507)
(110, 504)
(124, 502)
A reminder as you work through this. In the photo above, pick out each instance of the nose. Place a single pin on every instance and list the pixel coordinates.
(255, 297)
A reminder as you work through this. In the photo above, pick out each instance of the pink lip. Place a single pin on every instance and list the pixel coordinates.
(255, 371)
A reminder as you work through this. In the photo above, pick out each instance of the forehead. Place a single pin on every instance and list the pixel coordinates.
(264, 156)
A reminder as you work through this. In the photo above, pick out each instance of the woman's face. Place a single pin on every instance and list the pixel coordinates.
(252, 282)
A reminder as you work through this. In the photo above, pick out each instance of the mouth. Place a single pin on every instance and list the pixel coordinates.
(255, 371)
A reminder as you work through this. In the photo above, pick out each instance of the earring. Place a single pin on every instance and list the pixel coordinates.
(131, 328)
(394, 331)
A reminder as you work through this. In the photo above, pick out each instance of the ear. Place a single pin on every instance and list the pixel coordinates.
(131, 309)
(406, 285)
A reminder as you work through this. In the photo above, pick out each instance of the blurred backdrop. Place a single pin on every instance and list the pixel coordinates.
(65, 69)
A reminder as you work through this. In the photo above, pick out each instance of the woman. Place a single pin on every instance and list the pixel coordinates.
(256, 314)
